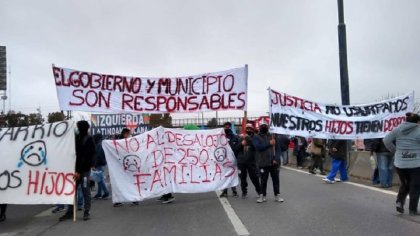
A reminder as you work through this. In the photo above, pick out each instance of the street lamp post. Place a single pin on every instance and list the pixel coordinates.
(342, 44)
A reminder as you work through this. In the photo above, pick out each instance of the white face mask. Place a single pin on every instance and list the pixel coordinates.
(76, 131)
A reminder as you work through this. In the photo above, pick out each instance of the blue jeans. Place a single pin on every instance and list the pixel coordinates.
(385, 168)
(79, 197)
(285, 157)
(101, 183)
(338, 165)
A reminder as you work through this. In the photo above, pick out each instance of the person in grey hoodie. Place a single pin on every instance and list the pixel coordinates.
(404, 141)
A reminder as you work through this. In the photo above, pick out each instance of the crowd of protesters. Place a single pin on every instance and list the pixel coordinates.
(260, 154)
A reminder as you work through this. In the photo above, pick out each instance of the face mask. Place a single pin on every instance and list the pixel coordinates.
(264, 130)
(76, 131)
(228, 131)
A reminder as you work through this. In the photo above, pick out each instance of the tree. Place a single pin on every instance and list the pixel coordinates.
(17, 119)
(35, 119)
(55, 117)
(164, 120)
(212, 123)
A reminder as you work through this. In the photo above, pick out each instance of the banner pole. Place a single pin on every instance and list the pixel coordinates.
(74, 206)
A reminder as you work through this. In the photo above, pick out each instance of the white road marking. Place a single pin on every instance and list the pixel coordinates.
(234, 219)
(347, 182)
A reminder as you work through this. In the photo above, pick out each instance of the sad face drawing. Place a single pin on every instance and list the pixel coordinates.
(34, 154)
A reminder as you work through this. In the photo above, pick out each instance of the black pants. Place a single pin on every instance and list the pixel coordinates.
(274, 172)
(86, 193)
(167, 196)
(250, 169)
(233, 190)
(300, 157)
(410, 185)
(317, 163)
(3, 209)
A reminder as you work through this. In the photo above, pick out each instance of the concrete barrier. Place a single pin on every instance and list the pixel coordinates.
(358, 165)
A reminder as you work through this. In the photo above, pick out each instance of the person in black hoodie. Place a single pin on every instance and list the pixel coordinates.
(337, 150)
(268, 162)
(85, 160)
(233, 143)
(246, 162)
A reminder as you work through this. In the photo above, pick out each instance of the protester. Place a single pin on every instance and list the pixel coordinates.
(247, 163)
(265, 144)
(85, 159)
(102, 192)
(58, 208)
(337, 149)
(3, 208)
(404, 141)
(300, 150)
(384, 162)
(125, 133)
(167, 198)
(316, 149)
(233, 143)
(284, 142)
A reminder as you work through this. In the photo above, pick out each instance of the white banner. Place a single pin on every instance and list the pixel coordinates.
(165, 160)
(93, 92)
(297, 116)
(37, 164)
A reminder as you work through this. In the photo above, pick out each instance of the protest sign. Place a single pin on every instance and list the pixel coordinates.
(37, 164)
(165, 160)
(94, 92)
(297, 116)
(112, 124)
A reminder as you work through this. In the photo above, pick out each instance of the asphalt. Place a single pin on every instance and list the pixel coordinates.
(311, 207)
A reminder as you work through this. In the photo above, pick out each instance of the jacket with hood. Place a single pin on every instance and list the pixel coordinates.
(404, 141)
(265, 152)
(340, 145)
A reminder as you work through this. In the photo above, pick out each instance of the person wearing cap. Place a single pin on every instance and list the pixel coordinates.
(246, 162)
(233, 143)
(268, 162)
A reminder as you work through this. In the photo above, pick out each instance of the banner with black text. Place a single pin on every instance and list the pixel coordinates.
(37, 164)
(297, 116)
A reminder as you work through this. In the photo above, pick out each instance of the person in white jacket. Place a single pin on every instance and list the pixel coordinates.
(404, 141)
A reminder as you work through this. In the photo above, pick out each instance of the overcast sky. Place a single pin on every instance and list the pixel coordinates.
(289, 45)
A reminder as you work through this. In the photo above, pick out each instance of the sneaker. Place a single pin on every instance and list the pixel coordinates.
(86, 216)
(312, 172)
(79, 208)
(97, 196)
(67, 216)
(328, 181)
(277, 198)
(161, 199)
(57, 209)
(2, 218)
(105, 196)
(244, 195)
(399, 207)
(261, 199)
(224, 194)
(414, 213)
(168, 200)
(117, 204)
(235, 194)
